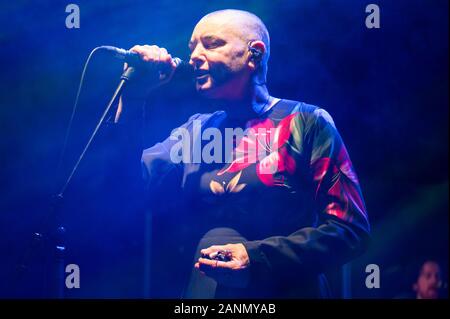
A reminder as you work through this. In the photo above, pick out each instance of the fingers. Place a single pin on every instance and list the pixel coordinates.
(154, 54)
(158, 57)
(213, 250)
(233, 273)
(211, 263)
(214, 268)
(208, 265)
(164, 56)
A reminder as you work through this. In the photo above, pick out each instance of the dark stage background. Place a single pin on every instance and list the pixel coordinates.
(386, 88)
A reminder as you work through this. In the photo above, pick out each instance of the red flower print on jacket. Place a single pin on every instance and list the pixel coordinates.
(264, 144)
(344, 188)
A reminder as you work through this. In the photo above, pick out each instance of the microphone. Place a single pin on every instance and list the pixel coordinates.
(134, 59)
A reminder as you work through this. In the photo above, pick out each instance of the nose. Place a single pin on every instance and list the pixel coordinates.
(197, 57)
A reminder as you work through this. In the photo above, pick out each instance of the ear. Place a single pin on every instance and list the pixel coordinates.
(256, 51)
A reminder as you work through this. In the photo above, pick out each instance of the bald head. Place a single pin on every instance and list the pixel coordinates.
(243, 25)
(247, 25)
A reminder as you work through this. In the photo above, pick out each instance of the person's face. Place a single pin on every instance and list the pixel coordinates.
(427, 285)
(219, 57)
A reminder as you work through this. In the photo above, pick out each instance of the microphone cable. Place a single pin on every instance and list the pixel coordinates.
(74, 109)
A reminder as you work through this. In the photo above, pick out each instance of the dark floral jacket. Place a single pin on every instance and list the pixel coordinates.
(299, 204)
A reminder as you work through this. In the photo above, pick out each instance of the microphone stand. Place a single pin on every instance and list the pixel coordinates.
(54, 215)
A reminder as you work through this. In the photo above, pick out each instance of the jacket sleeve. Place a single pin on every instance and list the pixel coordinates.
(162, 172)
(342, 229)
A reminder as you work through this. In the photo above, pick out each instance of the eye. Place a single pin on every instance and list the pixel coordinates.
(212, 43)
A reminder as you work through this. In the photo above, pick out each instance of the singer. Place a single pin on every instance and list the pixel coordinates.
(279, 208)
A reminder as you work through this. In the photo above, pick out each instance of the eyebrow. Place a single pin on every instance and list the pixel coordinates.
(211, 37)
(205, 37)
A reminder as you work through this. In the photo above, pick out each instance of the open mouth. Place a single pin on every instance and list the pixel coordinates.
(201, 74)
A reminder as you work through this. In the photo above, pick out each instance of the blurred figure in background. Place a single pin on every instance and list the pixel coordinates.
(426, 281)
(429, 282)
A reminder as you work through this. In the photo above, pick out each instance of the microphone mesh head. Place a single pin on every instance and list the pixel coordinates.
(178, 61)
(183, 66)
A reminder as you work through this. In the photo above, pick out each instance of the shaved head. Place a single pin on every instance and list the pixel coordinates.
(224, 48)
(248, 26)
(244, 25)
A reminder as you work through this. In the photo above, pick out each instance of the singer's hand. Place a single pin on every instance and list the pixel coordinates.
(160, 67)
(159, 57)
(231, 273)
